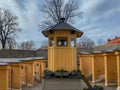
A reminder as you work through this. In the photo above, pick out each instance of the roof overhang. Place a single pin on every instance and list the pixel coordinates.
(45, 32)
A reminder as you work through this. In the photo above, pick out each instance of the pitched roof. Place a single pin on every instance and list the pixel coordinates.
(116, 40)
(62, 26)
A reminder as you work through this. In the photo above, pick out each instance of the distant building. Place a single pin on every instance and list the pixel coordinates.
(116, 40)
(111, 44)
(44, 47)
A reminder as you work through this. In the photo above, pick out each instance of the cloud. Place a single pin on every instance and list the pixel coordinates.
(29, 18)
(89, 5)
(100, 19)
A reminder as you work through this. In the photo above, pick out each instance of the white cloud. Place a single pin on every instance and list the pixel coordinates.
(89, 5)
(100, 20)
(29, 18)
(96, 22)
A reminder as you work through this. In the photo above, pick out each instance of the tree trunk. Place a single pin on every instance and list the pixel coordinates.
(3, 44)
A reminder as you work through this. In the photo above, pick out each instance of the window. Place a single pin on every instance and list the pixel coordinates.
(72, 43)
(62, 41)
(51, 42)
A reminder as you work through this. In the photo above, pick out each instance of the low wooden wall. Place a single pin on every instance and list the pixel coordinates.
(20, 72)
(97, 67)
(4, 77)
(16, 82)
(110, 62)
(117, 53)
(105, 65)
(86, 64)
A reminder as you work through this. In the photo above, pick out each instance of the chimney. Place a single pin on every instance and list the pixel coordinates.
(62, 19)
(109, 40)
(116, 37)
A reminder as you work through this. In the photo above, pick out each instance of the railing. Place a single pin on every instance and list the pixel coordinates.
(43, 84)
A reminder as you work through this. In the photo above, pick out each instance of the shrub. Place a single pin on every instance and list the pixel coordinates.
(96, 87)
(61, 73)
(48, 73)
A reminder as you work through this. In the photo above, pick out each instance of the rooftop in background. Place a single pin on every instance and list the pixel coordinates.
(3, 64)
(15, 60)
(116, 40)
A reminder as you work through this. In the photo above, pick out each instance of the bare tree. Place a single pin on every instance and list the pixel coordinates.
(101, 41)
(44, 42)
(11, 42)
(85, 42)
(28, 45)
(55, 9)
(8, 26)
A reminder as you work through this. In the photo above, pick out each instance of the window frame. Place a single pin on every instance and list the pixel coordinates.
(73, 39)
(51, 41)
(62, 41)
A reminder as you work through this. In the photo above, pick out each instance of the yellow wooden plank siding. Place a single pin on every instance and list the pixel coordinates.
(110, 61)
(23, 73)
(118, 68)
(50, 58)
(97, 66)
(30, 78)
(65, 58)
(4, 77)
(86, 64)
(62, 57)
(39, 67)
(16, 76)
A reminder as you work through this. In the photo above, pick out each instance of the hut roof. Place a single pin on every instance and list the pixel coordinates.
(62, 26)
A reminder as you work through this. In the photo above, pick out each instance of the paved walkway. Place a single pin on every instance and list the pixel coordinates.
(37, 86)
(62, 84)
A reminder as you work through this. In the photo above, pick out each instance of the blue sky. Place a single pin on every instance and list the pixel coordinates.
(101, 18)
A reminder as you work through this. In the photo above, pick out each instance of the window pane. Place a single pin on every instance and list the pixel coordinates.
(51, 42)
(72, 43)
(61, 41)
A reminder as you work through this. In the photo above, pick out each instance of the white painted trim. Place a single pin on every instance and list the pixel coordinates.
(93, 81)
(118, 88)
(16, 89)
(110, 84)
(23, 83)
(29, 85)
(106, 84)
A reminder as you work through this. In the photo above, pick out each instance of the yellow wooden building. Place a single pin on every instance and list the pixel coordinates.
(104, 65)
(62, 51)
(4, 73)
(117, 53)
(15, 72)
(98, 69)
(85, 63)
(110, 62)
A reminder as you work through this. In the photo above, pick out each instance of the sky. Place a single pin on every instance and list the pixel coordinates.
(101, 19)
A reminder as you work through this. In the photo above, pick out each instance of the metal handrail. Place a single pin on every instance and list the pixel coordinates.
(43, 86)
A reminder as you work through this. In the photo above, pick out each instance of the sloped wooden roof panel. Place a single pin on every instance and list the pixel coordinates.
(62, 26)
